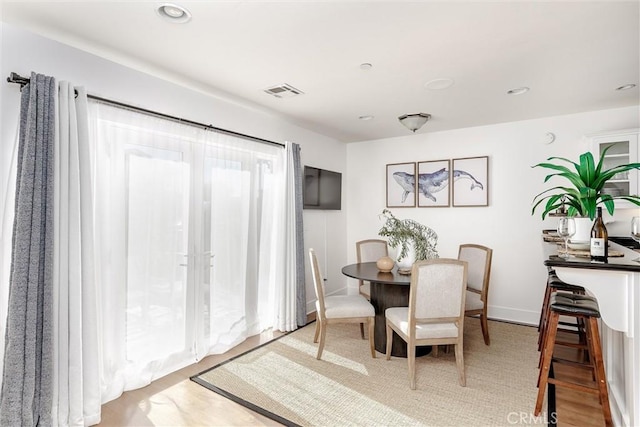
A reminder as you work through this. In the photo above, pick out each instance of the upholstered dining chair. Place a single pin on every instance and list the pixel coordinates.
(338, 309)
(370, 250)
(435, 315)
(479, 259)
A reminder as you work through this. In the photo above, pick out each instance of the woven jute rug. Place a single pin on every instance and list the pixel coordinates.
(284, 381)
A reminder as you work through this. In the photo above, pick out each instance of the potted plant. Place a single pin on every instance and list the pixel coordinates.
(586, 190)
(408, 235)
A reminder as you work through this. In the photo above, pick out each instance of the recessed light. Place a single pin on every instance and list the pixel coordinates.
(439, 84)
(625, 87)
(365, 118)
(366, 66)
(518, 90)
(173, 13)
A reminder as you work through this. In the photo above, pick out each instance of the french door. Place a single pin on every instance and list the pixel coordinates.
(188, 233)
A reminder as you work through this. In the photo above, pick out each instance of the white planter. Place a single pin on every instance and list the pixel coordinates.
(583, 230)
(405, 264)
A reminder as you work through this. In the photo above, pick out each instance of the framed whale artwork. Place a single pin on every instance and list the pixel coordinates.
(470, 177)
(433, 183)
(401, 185)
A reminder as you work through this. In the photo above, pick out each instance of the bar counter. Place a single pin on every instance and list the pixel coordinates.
(616, 286)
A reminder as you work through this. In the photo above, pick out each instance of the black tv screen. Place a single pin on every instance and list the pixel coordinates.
(322, 189)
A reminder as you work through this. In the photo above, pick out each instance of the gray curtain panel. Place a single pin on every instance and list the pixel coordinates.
(301, 294)
(25, 399)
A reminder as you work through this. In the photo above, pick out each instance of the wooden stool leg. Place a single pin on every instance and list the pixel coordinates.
(546, 361)
(545, 305)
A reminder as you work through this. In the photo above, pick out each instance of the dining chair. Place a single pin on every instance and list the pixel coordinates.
(339, 309)
(479, 259)
(370, 250)
(435, 315)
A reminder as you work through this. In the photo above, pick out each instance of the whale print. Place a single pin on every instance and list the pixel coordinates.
(430, 183)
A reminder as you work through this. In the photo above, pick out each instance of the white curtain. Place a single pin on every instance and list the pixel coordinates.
(189, 225)
(76, 383)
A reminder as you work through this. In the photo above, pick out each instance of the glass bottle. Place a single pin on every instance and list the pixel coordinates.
(599, 239)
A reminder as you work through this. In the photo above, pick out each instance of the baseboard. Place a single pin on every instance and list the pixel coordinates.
(507, 314)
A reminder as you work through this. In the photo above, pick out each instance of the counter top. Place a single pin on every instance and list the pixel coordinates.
(625, 263)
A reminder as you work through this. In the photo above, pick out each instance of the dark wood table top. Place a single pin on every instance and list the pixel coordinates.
(624, 263)
(369, 271)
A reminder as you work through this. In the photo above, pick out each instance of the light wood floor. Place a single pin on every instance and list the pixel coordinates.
(175, 400)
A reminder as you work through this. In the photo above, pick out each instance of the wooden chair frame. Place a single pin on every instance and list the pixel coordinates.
(484, 293)
(411, 339)
(321, 319)
(359, 259)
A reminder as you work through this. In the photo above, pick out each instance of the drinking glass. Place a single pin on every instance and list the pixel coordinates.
(635, 228)
(566, 229)
(635, 231)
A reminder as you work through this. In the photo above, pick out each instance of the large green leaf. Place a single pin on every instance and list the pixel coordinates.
(588, 181)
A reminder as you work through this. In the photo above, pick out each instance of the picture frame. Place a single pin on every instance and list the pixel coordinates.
(401, 185)
(433, 189)
(470, 178)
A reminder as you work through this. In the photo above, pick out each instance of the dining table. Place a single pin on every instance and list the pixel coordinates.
(388, 289)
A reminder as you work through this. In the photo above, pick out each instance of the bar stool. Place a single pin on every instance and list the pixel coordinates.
(555, 284)
(586, 309)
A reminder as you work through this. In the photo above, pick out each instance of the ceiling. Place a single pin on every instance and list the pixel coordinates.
(572, 55)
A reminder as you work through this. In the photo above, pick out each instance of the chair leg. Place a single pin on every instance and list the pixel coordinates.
(370, 323)
(389, 341)
(323, 333)
(485, 327)
(411, 358)
(317, 333)
(362, 330)
(458, 349)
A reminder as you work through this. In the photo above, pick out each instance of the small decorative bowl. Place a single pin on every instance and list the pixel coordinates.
(385, 264)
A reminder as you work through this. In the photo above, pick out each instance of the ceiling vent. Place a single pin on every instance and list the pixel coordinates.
(283, 91)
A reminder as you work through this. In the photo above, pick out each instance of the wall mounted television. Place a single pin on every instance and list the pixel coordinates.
(322, 189)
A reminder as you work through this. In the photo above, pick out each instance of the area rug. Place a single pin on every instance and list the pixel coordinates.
(284, 381)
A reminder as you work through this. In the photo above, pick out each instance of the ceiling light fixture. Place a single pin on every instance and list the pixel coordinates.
(365, 118)
(518, 90)
(439, 84)
(626, 87)
(366, 66)
(173, 13)
(413, 122)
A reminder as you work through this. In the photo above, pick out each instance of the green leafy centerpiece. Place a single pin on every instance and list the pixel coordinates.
(409, 236)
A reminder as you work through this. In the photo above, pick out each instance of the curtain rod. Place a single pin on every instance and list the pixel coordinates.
(22, 81)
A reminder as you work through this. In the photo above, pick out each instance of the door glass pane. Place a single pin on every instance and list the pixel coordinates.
(226, 230)
(157, 225)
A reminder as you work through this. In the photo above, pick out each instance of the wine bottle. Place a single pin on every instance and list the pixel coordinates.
(599, 239)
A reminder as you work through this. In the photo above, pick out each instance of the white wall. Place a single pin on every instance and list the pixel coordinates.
(506, 225)
(23, 52)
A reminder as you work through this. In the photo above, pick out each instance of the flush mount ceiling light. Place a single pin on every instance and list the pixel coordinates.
(365, 118)
(173, 13)
(413, 122)
(366, 66)
(518, 90)
(439, 84)
(626, 87)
